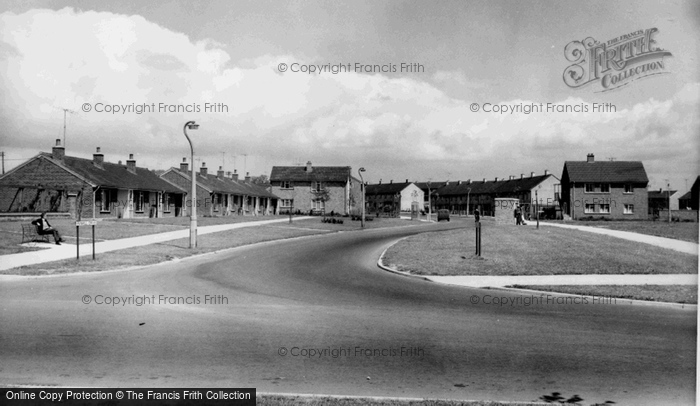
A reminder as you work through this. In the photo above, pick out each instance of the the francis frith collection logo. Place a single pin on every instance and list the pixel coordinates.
(614, 63)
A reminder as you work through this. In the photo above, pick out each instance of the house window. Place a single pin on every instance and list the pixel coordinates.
(629, 188)
(319, 205)
(628, 209)
(605, 208)
(285, 184)
(590, 188)
(316, 186)
(287, 203)
(166, 202)
(604, 188)
(589, 208)
(139, 201)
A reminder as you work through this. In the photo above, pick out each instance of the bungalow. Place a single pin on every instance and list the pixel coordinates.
(308, 189)
(608, 189)
(222, 194)
(465, 197)
(393, 197)
(88, 188)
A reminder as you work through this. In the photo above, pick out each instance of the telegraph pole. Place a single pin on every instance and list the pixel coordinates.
(65, 111)
(3, 161)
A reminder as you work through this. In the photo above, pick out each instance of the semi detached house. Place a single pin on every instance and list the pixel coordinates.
(609, 189)
(315, 189)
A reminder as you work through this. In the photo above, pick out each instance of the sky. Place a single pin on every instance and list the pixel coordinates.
(417, 124)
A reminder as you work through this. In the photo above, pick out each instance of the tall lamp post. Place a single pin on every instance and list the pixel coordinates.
(469, 191)
(362, 187)
(430, 211)
(193, 210)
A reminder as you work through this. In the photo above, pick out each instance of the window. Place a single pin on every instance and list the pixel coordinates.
(604, 188)
(605, 208)
(629, 188)
(316, 186)
(166, 202)
(287, 203)
(589, 208)
(319, 205)
(285, 184)
(628, 209)
(590, 188)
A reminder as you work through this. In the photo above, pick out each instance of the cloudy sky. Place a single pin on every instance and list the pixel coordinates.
(418, 125)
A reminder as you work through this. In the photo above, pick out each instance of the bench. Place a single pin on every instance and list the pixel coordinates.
(30, 233)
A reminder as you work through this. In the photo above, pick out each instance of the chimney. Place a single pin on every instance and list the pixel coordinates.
(532, 174)
(590, 158)
(308, 167)
(391, 181)
(247, 175)
(235, 175)
(484, 181)
(120, 162)
(380, 181)
(546, 172)
(459, 182)
(220, 173)
(98, 158)
(203, 169)
(522, 175)
(511, 177)
(131, 164)
(406, 180)
(58, 152)
(184, 165)
(496, 179)
(469, 181)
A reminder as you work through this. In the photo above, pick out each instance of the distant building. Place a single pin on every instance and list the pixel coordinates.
(429, 189)
(606, 189)
(82, 187)
(661, 200)
(315, 189)
(393, 197)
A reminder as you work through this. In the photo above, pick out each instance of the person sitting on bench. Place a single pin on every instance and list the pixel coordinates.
(44, 228)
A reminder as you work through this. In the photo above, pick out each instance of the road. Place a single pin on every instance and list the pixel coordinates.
(326, 292)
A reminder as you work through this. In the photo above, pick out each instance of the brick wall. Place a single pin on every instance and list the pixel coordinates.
(616, 199)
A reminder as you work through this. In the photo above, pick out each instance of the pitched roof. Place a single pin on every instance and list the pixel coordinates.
(116, 176)
(606, 171)
(386, 188)
(318, 173)
(686, 196)
(656, 194)
(495, 187)
(433, 186)
(227, 185)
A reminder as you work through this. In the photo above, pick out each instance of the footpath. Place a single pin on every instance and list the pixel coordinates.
(65, 251)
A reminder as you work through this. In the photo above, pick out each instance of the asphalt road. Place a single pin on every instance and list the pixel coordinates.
(287, 298)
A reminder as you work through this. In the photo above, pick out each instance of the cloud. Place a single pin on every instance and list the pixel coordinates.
(62, 59)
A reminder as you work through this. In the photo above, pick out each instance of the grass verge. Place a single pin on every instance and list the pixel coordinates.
(678, 231)
(348, 224)
(511, 250)
(162, 252)
(657, 293)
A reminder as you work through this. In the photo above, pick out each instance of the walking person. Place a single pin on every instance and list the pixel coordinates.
(44, 228)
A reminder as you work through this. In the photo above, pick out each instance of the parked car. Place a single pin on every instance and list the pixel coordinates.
(443, 214)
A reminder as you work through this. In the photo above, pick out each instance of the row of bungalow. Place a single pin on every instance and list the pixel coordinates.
(93, 188)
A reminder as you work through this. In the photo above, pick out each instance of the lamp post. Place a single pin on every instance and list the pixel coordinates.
(193, 209)
(469, 191)
(430, 212)
(362, 188)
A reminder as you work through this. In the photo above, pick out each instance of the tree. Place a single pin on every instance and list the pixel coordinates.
(260, 180)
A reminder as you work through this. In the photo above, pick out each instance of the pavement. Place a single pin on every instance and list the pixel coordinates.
(55, 252)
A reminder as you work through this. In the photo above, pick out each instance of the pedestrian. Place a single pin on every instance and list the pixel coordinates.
(44, 228)
(477, 215)
(517, 215)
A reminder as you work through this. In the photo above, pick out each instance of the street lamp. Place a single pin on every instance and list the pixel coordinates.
(362, 188)
(469, 190)
(193, 210)
(430, 213)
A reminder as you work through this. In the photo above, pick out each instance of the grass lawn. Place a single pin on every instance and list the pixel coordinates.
(156, 253)
(657, 293)
(349, 225)
(305, 400)
(678, 231)
(511, 250)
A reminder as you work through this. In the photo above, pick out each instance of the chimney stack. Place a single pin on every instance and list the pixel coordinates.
(484, 181)
(590, 158)
(380, 181)
(391, 181)
(309, 168)
(522, 175)
(511, 177)
(98, 158)
(532, 174)
(235, 175)
(496, 179)
(58, 152)
(220, 173)
(546, 172)
(183, 165)
(247, 175)
(459, 182)
(131, 164)
(203, 169)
